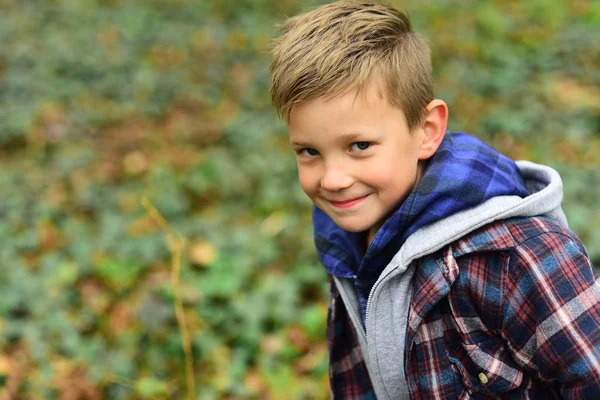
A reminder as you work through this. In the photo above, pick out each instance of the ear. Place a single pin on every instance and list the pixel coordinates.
(433, 127)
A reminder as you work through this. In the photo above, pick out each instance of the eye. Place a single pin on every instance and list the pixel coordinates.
(360, 146)
(309, 152)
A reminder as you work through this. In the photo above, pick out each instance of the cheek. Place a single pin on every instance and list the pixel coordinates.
(307, 180)
(391, 179)
(379, 174)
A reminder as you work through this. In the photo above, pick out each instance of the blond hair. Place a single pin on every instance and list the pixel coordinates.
(341, 47)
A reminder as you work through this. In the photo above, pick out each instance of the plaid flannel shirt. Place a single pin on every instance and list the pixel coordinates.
(510, 311)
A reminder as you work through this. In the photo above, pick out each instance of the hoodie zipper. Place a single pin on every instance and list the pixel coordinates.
(354, 316)
(371, 292)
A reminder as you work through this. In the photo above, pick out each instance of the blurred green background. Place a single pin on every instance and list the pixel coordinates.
(104, 102)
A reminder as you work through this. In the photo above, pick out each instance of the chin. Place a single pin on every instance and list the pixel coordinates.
(349, 227)
(354, 229)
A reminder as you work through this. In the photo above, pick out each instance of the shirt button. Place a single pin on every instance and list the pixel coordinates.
(482, 378)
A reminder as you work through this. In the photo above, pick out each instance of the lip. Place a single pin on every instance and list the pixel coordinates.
(345, 204)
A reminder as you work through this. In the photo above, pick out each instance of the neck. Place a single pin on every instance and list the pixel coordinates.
(373, 231)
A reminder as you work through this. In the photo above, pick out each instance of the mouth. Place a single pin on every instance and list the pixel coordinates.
(345, 204)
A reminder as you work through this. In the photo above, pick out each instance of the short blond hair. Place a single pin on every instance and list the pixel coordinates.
(341, 47)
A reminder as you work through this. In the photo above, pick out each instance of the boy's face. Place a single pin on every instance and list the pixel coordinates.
(357, 158)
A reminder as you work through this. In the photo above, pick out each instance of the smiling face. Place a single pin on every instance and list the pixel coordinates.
(357, 158)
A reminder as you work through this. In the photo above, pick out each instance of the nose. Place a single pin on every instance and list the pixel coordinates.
(336, 178)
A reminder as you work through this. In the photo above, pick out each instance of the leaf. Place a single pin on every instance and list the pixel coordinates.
(120, 274)
(149, 387)
(203, 253)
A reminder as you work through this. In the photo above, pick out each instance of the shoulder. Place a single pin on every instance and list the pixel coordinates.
(513, 248)
(540, 246)
(548, 262)
(531, 234)
(511, 262)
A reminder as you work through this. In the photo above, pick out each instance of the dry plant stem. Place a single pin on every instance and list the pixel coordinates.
(176, 245)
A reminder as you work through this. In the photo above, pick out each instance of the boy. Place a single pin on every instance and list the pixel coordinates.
(452, 272)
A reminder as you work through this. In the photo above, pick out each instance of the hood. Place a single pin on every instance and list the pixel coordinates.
(546, 192)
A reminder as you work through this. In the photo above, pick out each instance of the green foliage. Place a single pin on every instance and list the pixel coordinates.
(104, 101)
(149, 388)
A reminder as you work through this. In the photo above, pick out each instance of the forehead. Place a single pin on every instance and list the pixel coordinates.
(350, 113)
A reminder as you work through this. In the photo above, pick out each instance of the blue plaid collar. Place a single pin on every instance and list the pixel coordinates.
(463, 173)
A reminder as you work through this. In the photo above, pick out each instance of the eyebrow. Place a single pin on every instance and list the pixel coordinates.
(346, 137)
(299, 144)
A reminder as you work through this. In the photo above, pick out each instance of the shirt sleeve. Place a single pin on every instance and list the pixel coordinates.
(551, 314)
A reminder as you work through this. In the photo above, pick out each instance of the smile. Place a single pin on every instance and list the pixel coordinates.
(345, 204)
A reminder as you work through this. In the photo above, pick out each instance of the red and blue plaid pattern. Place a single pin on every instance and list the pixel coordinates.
(511, 311)
(346, 365)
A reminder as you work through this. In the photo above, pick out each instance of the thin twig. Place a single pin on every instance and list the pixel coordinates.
(176, 246)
